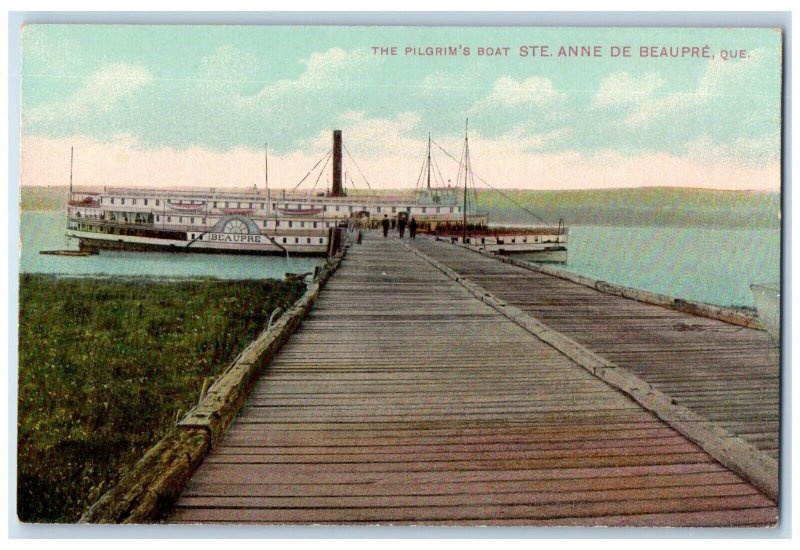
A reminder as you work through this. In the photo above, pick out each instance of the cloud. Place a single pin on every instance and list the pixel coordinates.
(377, 137)
(335, 69)
(624, 89)
(649, 102)
(100, 94)
(523, 139)
(45, 161)
(756, 152)
(508, 92)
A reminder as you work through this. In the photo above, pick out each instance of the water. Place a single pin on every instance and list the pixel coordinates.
(715, 266)
(45, 231)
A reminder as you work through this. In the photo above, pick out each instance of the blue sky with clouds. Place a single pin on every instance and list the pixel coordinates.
(223, 88)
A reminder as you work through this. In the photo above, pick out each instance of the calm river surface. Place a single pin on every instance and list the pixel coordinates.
(715, 266)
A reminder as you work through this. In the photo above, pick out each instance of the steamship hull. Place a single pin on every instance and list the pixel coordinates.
(252, 221)
(92, 242)
(539, 244)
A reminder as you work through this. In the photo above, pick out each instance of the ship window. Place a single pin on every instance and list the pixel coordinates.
(169, 218)
(290, 224)
(215, 204)
(204, 221)
(158, 218)
(265, 223)
(438, 210)
(513, 240)
(286, 205)
(394, 209)
(379, 209)
(112, 200)
(274, 205)
(296, 240)
(308, 240)
(424, 209)
(122, 200)
(145, 202)
(315, 225)
(277, 223)
(158, 202)
(337, 207)
(180, 219)
(284, 240)
(320, 240)
(134, 201)
(191, 220)
(483, 240)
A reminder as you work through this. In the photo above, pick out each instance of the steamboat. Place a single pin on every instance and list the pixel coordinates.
(262, 221)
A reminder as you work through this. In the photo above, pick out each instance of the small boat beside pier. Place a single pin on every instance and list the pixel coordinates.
(73, 253)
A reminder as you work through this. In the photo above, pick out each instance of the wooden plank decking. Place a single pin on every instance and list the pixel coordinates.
(726, 373)
(403, 399)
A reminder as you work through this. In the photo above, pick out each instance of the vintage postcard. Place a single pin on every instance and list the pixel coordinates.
(400, 276)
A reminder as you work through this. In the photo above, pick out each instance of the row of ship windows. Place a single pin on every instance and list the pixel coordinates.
(314, 225)
(308, 240)
(228, 204)
(423, 209)
(112, 200)
(296, 239)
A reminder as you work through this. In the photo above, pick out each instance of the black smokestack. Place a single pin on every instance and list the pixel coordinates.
(337, 190)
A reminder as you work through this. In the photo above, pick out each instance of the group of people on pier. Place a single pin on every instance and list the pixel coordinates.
(401, 227)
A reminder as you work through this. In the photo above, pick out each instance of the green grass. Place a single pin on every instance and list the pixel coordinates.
(106, 365)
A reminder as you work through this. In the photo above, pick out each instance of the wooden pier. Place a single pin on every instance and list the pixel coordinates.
(405, 399)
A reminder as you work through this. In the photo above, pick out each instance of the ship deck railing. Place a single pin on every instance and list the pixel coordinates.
(262, 195)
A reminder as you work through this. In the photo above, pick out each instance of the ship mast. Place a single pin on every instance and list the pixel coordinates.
(466, 173)
(266, 169)
(429, 161)
(71, 156)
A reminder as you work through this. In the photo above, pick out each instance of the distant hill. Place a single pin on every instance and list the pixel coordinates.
(660, 206)
(645, 206)
(44, 198)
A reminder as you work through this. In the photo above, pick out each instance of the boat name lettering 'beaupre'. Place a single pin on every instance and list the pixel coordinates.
(234, 238)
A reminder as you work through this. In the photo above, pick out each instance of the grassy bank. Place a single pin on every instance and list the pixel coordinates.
(106, 365)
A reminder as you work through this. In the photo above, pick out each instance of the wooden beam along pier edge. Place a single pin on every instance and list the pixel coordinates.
(730, 450)
(147, 492)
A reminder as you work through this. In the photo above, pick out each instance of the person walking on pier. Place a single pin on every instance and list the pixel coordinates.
(385, 225)
(412, 228)
(401, 226)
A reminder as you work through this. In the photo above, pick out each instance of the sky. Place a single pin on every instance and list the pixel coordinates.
(195, 105)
